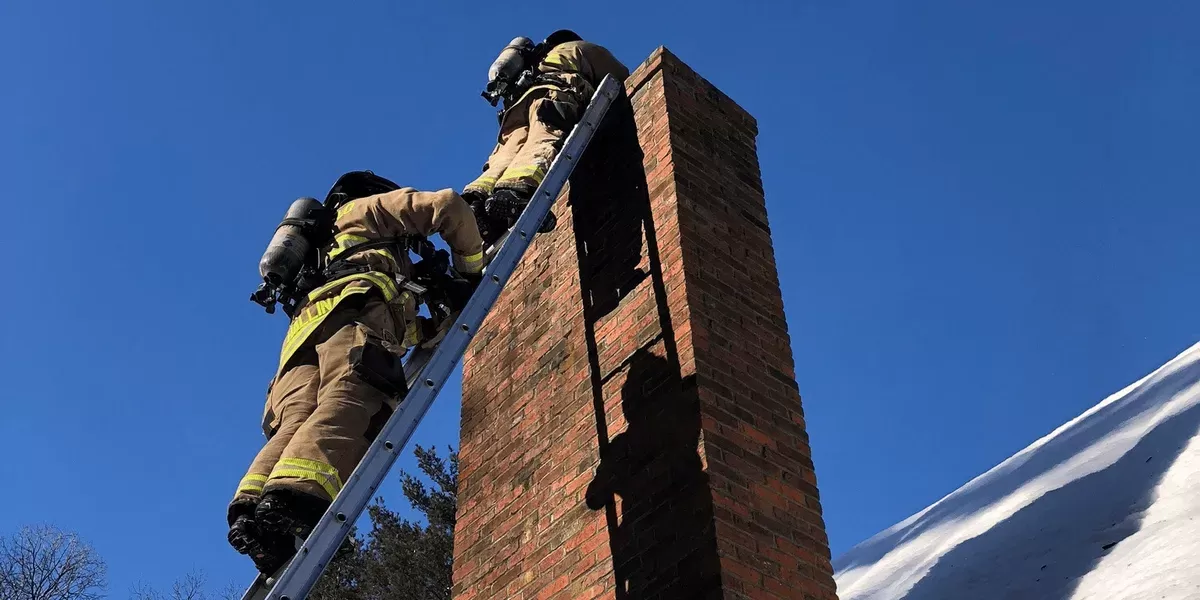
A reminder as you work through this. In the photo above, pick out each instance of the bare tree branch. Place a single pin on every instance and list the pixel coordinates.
(188, 587)
(45, 563)
(141, 591)
(229, 592)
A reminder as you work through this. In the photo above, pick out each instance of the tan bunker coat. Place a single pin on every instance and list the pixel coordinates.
(532, 129)
(340, 372)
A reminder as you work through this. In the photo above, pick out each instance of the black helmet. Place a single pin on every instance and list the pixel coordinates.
(355, 185)
(561, 36)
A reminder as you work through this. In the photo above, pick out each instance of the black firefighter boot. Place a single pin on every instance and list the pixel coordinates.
(269, 550)
(290, 512)
(489, 229)
(507, 205)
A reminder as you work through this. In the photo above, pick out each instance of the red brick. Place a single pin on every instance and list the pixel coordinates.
(713, 307)
(553, 588)
(747, 574)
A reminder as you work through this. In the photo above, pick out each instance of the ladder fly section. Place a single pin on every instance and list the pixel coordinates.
(427, 371)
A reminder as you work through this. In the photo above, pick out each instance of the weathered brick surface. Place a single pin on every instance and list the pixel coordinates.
(631, 426)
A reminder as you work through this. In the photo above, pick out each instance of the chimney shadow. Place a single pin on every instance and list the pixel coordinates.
(662, 530)
(610, 206)
(663, 542)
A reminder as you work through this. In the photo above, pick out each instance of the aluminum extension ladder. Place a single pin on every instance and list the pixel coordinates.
(427, 371)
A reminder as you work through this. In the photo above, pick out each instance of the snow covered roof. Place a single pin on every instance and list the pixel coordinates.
(1106, 507)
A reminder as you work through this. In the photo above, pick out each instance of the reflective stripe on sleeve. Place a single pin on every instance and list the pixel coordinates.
(472, 263)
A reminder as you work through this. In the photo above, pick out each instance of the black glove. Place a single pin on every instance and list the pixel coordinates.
(458, 291)
(489, 229)
(430, 270)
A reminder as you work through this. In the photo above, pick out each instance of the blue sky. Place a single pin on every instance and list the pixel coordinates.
(985, 219)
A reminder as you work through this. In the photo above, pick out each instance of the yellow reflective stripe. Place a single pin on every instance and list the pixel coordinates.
(345, 209)
(484, 184)
(385, 284)
(310, 470)
(252, 483)
(388, 255)
(321, 291)
(315, 466)
(472, 263)
(307, 476)
(308, 320)
(411, 334)
(342, 241)
(522, 171)
(312, 315)
(536, 172)
(560, 59)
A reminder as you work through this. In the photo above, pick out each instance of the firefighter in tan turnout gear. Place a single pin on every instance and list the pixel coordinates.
(545, 89)
(343, 273)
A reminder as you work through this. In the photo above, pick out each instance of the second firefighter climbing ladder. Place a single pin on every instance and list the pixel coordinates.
(427, 372)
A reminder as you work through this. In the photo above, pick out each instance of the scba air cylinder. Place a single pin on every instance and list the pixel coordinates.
(285, 255)
(511, 61)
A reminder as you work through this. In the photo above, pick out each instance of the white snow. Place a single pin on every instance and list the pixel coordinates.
(1107, 507)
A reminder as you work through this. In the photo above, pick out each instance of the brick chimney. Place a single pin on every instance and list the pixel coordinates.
(631, 423)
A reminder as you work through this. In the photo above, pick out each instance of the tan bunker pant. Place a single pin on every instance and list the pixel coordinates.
(322, 414)
(531, 134)
(340, 374)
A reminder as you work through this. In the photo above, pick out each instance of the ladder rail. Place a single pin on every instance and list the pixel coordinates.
(258, 590)
(429, 370)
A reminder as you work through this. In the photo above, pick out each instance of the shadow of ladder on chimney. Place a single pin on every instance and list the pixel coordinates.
(631, 424)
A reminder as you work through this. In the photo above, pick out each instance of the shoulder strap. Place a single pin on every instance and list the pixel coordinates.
(404, 243)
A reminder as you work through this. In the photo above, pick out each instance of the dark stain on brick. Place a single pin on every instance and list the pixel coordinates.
(554, 357)
(756, 221)
(524, 476)
(781, 376)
